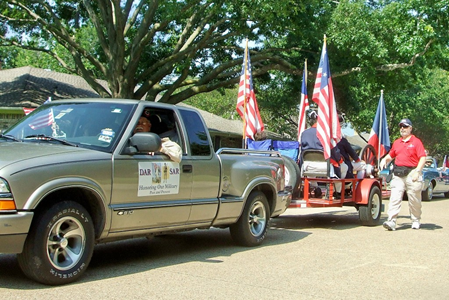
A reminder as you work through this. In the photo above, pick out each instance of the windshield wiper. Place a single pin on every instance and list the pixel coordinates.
(43, 137)
(9, 137)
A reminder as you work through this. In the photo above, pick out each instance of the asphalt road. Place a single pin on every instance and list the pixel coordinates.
(308, 254)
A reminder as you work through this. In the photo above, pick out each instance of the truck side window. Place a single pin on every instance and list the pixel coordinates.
(196, 131)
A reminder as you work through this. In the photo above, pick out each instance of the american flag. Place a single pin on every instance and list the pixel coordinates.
(27, 110)
(246, 101)
(304, 105)
(328, 127)
(43, 119)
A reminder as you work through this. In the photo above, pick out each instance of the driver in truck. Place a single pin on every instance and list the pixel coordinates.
(168, 147)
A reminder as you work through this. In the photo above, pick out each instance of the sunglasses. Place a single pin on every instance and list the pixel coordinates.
(403, 126)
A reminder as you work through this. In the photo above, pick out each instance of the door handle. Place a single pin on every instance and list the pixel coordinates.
(187, 168)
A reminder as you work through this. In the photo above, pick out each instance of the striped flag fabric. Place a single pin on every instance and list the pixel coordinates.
(445, 163)
(43, 119)
(328, 126)
(379, 137)
(304, 105)
(27, 110)
(246, 101)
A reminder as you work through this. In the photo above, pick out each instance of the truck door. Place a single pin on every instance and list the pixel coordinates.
(203, 164)
(150, 191)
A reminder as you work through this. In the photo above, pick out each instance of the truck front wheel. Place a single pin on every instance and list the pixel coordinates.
(251, 228)
(60, 244)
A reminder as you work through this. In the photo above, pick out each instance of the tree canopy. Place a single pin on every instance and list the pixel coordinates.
(144, 48)
(177, 49)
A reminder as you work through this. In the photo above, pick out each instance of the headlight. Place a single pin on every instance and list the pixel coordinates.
(4, 187)
(6, 200)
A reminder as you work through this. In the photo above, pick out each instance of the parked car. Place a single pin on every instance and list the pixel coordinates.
(73, 174)
(435, 180)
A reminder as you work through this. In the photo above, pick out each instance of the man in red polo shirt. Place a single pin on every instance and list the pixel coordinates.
(410, 156)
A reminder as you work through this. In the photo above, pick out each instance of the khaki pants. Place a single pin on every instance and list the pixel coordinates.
(399, 185)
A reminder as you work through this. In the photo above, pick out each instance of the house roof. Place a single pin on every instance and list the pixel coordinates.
(359, 140)
(222, 125)
(214, 122)
(30, 87)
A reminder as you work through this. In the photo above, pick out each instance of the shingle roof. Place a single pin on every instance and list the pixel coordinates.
(215, 122)
(30, 87)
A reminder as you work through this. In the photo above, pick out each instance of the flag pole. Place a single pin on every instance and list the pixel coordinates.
(380, 126)
(245, 63)
(305, 68)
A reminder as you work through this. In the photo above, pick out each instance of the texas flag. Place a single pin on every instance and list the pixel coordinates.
(379, 137)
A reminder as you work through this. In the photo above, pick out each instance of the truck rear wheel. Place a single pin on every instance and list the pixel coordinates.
(370, 214)
(251, 228)
(60, 244)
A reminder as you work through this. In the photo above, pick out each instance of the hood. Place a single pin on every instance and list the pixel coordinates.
(41, 153)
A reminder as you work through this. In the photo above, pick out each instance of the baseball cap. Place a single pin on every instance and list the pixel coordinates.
(406, 122)
(312, 115)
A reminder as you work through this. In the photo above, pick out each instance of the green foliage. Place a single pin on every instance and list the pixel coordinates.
(193, 49)
(221, 102)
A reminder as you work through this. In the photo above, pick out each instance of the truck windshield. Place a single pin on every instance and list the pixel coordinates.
(95, 125)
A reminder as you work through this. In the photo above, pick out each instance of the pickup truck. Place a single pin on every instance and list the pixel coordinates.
(74, 174)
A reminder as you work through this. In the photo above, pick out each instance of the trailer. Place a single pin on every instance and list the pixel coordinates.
(318, 190)
(365, 194)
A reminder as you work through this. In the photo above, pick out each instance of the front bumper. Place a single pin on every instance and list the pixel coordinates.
(284, 198)
(14, 230)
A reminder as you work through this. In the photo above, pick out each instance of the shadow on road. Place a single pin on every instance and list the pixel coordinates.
(140, 255)
(338, 219)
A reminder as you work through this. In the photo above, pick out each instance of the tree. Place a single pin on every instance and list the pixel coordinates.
(372, 46)
(144, 48)
(176, 49)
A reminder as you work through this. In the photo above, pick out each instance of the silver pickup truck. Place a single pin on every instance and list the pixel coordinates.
(73, 174)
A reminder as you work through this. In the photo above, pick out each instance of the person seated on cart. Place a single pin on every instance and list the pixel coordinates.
(309, 140)
(350, 157)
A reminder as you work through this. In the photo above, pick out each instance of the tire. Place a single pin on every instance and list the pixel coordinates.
(446, 194)
(369, 214)
(292, 175)
(427, 194)
(251, 228)
(65, 229)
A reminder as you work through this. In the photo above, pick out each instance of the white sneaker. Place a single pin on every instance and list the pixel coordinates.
(415, 225)
(390, 225)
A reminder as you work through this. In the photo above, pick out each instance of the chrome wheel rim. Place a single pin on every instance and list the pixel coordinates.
(257, 218)
(65, 243)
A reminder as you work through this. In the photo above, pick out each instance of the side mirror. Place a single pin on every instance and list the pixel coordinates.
(143, 142)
